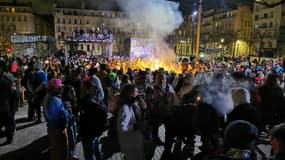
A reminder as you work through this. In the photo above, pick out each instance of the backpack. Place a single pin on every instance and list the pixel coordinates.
(93, 118)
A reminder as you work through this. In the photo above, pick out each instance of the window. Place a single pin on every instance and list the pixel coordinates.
(25, 18)
(69, 21)
(2, 18)
(75, 21)
(63, 20)
(265, 15)
(8, 18)
(270, 24)
(271, 15)
(88, 47)
(13, 18)
(81, 46)
(58, 28)
(256, 17)
(269, 44)
(264, 25)
(19, 18)
(58, 20)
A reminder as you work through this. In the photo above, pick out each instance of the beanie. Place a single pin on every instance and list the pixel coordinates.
(54, 83)
(240, 134)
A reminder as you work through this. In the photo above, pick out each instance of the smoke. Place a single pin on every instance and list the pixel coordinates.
(154, 18)
(217, 90)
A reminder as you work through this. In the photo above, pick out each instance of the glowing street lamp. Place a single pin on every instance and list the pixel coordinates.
(198, 37)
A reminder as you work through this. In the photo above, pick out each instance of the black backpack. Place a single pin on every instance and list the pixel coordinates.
(93, 117)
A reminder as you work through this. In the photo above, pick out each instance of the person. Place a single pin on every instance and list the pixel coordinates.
(128, 120)
(272, 101)
(39, 80)
(91, 111)
(8, 101)
(97, 81)
(242, 108)
(102, 75)
(57, 118)
(160, 99)
(277, 140)
(238, 144)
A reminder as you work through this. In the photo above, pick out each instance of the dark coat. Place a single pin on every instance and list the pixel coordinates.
(272, 105)
(93, 118)
(6, 96)
(245, 112)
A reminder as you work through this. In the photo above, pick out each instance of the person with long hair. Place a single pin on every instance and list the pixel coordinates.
(128, 124)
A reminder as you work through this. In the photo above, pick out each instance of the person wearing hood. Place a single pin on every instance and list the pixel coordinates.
(57, 118)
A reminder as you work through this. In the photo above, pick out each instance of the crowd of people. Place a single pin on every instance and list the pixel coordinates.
(230, 103)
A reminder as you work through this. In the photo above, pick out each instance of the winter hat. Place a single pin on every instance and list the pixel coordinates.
(240, 134)
(240, 96)
(54, 83)
(278, 132)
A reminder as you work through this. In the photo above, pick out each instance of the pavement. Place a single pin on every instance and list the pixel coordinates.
(31, 143)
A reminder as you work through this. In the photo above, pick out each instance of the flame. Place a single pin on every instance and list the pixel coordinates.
(147, 62)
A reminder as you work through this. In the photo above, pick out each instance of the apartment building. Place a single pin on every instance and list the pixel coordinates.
(227, 31)
(267, 26)
(20, 29)
(97, 32)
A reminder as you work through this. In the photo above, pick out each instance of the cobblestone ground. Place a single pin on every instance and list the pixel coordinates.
(31, 143)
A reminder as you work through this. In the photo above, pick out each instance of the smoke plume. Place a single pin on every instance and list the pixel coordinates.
(217, 88)
(154, 18)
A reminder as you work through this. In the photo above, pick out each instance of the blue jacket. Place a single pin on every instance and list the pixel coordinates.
(55, 114)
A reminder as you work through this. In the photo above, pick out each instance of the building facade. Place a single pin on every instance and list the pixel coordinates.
(281, 38)
(97, 32)
(19, 20)
(184, 37)
(224, 32)
(227, 32)
(267, 25)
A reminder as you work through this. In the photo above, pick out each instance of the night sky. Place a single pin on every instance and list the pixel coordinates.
(186, 6)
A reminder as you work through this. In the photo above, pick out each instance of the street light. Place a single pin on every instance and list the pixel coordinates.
(198, 37)
(193, 30)
(222, 46)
